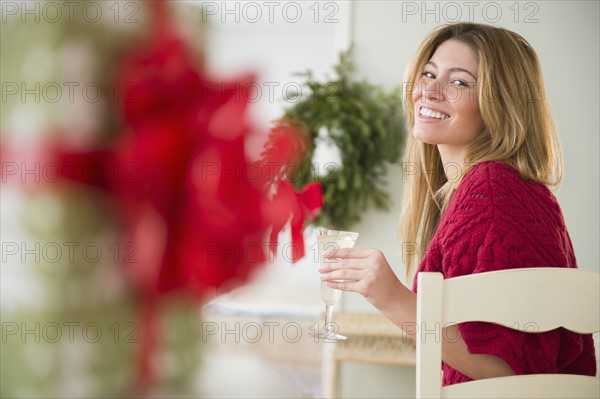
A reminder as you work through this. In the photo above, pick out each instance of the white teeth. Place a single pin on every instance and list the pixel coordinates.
(433, 114)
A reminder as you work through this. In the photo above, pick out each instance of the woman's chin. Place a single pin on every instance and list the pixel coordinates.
(426, 138)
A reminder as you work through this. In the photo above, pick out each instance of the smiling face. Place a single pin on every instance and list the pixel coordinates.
(446, 102)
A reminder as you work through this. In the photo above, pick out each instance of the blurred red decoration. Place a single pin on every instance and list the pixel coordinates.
(283, 155)
(177, 176)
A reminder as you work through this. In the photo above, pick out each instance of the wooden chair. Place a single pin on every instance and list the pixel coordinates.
(372, 338)
(548, 297)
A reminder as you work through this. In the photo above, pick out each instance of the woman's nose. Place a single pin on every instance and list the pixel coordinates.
(432, 90)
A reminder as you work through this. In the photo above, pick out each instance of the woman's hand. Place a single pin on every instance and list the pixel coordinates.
(367, 272)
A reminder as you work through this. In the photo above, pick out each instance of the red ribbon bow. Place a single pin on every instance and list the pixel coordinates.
(294, 206)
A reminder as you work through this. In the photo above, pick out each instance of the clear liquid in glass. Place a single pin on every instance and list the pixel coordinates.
(331, 240)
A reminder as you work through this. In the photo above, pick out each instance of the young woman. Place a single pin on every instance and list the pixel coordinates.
(486, 147)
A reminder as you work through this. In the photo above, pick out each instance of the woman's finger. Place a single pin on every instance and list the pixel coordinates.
(337, 264)
(343, 274)
(349, 285)
(349, 253)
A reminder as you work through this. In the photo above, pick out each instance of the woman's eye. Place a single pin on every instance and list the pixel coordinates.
(428, 74)
(459, 83)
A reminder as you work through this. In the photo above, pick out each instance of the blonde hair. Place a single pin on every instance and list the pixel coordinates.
(519, 129)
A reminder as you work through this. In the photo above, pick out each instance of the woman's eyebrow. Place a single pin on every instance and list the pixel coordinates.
(455, 69)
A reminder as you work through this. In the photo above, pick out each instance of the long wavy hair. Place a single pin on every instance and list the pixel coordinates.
(519, 129)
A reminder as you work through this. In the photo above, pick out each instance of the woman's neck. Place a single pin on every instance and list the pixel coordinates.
(453, 159)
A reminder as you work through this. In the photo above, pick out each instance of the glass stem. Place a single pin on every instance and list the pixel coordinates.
(328, 314)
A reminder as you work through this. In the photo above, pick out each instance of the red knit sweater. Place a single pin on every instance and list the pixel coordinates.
(496, 220)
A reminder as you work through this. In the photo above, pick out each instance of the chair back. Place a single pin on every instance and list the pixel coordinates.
(526, 299)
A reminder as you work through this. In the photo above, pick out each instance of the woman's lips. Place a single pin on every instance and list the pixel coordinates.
(431, 113)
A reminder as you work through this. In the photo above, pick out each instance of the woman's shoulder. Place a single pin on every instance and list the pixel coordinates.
(500, 182)
(493, 190)
(493, 172)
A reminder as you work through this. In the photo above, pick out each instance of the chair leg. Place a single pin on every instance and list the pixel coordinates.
(330, 372)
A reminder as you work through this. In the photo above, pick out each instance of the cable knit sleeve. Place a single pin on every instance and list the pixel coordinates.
(498, 221)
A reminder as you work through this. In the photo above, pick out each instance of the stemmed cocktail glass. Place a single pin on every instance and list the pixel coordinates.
(329, 240)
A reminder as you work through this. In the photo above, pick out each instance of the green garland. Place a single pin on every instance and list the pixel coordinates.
(366, 124)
